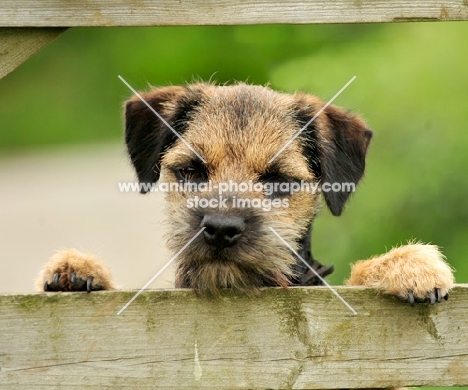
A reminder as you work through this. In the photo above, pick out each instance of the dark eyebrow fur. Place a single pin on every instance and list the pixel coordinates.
(186, 107)
(310, 142)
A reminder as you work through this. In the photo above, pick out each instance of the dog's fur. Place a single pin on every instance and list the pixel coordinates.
(237, 130)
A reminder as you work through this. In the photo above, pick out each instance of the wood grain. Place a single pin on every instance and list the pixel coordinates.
(301, 338)
(18, 44)
(61, 13)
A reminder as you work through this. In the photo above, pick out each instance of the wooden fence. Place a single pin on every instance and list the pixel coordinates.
(301, 338)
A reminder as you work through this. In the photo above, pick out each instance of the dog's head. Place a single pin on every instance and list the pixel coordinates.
(248, 160)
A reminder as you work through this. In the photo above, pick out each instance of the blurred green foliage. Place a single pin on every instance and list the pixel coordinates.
(411, 86)
(70, 92)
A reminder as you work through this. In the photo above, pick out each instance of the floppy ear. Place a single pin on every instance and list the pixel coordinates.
(343, 155)
(146, 136)
(335, 144)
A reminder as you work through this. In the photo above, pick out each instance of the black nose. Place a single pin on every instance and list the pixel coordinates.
(222, 231)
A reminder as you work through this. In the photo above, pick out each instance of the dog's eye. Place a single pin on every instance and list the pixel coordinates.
(271, 178)
(276, 185)
(191, 174)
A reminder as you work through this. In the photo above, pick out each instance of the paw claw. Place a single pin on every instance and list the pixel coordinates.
(411, 298)
(432, 298)
(77, 284)
(438, 295)
(54, 285)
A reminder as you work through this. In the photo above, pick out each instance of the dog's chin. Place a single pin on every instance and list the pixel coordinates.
(218, 271)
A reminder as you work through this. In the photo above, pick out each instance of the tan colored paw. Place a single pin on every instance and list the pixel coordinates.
(413, 273)
(71, 270)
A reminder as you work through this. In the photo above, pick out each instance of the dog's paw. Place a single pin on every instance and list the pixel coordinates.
(413, 273)
(71, 270)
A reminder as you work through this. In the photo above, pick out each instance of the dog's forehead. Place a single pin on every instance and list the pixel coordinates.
(244, 108)
(246, 125)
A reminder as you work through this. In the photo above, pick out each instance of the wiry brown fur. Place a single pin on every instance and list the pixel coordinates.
(237, 130)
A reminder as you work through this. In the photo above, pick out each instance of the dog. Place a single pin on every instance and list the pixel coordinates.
(205, 136)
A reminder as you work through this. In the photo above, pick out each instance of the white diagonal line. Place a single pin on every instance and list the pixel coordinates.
(308, 123)
(162, 119)
(160, 271)
(315, 272)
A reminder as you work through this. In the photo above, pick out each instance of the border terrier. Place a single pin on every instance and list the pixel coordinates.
(232, 134)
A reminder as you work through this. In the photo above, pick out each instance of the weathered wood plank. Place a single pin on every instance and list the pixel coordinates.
(52, 13)
(302, 338)
(18, 44)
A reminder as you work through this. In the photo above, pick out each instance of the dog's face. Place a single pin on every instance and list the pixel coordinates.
(237, 186)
